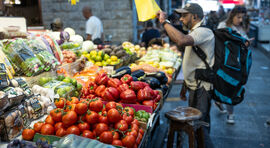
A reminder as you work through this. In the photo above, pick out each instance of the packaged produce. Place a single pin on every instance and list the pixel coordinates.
(43, 55)
(4, 59)
(55, 47)
(4, 82)
(24, 115)
(34, 107)
(11, 124)
(4, 102)
(15, 95)
(21, 55)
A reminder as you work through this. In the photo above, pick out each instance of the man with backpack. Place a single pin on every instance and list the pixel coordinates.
(199, 91)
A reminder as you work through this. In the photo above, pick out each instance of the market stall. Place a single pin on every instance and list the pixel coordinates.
(63, 91)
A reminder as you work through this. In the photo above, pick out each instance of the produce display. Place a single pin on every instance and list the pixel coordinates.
(111, 100)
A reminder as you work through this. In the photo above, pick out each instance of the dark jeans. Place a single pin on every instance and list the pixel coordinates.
(201, 99)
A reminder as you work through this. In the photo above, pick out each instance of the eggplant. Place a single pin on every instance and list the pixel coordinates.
(161, 76)
(138, 73)
(135, 78)
(164, 88)
(121, 73)
(121, 68)
(152, 81)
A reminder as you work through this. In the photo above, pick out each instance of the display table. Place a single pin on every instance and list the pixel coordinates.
(263, 31)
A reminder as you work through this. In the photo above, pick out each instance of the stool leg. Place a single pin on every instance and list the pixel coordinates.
(179, 139)
(171, 136)
(191, 137)
(200, 139)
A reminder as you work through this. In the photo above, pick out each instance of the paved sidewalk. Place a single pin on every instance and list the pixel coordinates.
(250, 129)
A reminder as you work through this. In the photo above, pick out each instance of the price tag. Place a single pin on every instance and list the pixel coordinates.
(108, 69)
(88, 64)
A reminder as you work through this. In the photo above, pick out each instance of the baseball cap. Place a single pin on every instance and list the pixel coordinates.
(193, 8)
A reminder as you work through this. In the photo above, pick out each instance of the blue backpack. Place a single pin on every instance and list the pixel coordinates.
(231, 69)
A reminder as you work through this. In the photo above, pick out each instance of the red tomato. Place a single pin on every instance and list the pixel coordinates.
(61, 132)
(56, 114)
(129, 110)
(128, 118)
(117, 142)
(49, 120)
(135, 121)
(37, 126)
(103, 119)
(106, 137)
(94, 126)
(88, 134)
(129, 141)
(92, 117)
(133, 132)
(110, 105)
(96, 105)
(116, 135)
(139, 138)
(83, 118)
(83, 126)
(119, 107)
(135, 127)
(141, 131)
(47, 129)
(28, 134)
(72, 100)
(70, 107)
(113, 116)
(60, 103)
(69, 118)
(100, 128)
(121, 125)
(58, 125)
(81, 108)
(73, 130)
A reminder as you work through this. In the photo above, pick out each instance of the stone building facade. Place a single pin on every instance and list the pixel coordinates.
(116, 16)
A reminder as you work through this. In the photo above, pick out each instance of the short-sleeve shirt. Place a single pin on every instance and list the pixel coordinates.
(203, 38)
(94, 27)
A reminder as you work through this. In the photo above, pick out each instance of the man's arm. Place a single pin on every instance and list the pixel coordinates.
(89, 37)
(176, 36)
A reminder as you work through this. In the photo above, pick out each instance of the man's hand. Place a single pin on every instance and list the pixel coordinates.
(161, 16)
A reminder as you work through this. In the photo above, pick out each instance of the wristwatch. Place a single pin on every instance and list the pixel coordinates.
(166, 22)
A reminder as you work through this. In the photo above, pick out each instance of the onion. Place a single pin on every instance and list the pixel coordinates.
(64, 36)
(59, 42)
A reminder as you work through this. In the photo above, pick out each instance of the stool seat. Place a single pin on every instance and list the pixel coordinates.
(184, 114)
(186, 119)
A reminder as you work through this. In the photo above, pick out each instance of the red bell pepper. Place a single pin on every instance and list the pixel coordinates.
(114, 82)
(144, 94)
(92, 87)
(150, 90)
(128, 96)
(123, 87)
(100, 90)
(101, 79)
(111, 94)
(126, 79)
(156, 92)
(149, 103)
(136, 85)
(90, 96)
(157, 98)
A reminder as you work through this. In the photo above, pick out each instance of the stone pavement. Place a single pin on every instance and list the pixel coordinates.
(250, 129)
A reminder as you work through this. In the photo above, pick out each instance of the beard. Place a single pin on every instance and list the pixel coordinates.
(187, 26)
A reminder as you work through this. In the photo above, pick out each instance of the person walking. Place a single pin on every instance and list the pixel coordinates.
(234, 21)
(199, 93)
(149, 34)
(93, 27)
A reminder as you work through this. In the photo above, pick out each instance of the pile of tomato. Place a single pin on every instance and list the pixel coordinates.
(110, 123)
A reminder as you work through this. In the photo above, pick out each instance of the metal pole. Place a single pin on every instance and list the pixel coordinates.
(134, 20)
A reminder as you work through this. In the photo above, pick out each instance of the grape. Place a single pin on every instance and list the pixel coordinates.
(38, 142)
(16, 142)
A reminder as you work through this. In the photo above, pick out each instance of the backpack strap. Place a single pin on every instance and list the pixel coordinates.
(200, 53)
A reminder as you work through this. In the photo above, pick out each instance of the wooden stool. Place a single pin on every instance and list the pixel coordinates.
(186, 119)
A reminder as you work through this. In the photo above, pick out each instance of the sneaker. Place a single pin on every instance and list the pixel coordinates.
(268, 122)
(230, 119)
(220, 107)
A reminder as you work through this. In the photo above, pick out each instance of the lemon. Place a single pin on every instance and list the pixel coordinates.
(100, 53)
(92, 61)
(113, 63)
(84, 52)
(87, 56)
(98, 63)
(106, 57)
(108, 61)
(163, 67)
(93, 57)
(104, 63)
(141, 63)
(114, 58)
(76, 45)
(93, 52)
(98, 58)
(170, 71)
(132, 65)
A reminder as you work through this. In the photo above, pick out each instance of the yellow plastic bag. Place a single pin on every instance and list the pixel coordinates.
(146, 9)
